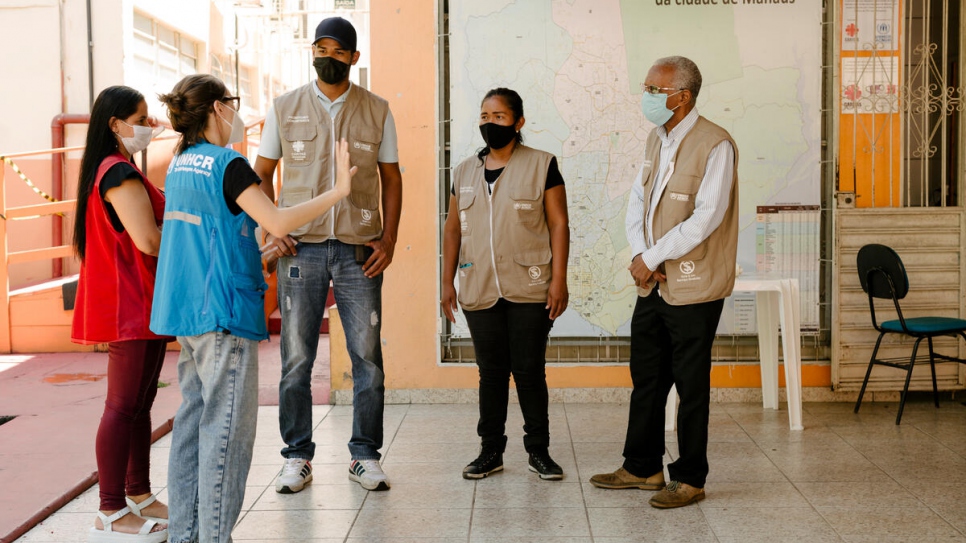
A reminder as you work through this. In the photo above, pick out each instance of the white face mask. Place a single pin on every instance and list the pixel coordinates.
(140, 140)
(237, 127)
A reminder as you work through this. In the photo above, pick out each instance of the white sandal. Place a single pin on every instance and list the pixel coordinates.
(108, 535)
(136, 508)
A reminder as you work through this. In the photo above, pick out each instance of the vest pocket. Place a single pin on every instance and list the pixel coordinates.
(690, 272)
(535, 270)
(528, 205)
(467, 285)
(292, 197)
(363, 209)
(364, 146)
(364, 154)
(677, 202)
(463, 203)
(247, 305)
(298, 143)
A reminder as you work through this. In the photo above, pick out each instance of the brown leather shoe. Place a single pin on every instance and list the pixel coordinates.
(676, 494)
(623, 479)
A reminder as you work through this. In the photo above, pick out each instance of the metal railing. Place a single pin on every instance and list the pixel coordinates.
(8, 257)
(59, 207)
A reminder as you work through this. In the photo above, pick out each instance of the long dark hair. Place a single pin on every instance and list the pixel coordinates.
(120, 102)
(189, 103)
(512, 101)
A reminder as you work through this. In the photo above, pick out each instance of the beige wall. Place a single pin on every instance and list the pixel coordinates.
(31, 93)
(33, 43)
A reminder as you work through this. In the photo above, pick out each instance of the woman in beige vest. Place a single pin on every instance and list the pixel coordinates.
(508, 237)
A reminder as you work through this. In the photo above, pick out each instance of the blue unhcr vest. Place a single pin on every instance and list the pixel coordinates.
(209, 267)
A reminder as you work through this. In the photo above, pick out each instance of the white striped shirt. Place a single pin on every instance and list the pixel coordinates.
(710, 203)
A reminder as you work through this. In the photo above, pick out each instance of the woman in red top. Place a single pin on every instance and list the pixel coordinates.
(117, 234)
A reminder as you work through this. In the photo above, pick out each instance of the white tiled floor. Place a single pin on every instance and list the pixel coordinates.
(854, 478)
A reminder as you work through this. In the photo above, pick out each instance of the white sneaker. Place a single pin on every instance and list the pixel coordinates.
(369, 474)
(296, 473)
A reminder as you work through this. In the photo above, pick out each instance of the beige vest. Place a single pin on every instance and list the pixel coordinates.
(308, 137)
(505, 241)
(706, 273)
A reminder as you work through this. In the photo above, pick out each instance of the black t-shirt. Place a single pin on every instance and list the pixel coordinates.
(238, 177)
(554, 179)
(113, 177)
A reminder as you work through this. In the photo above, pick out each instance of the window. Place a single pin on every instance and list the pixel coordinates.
(245, 87)
(932, 103)
(162, 55)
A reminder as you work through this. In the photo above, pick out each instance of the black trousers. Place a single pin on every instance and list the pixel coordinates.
(670, 345)
(511, 338)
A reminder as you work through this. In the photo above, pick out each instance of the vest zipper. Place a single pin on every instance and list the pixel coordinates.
(211, 270)
(496, 274)
(332, 216)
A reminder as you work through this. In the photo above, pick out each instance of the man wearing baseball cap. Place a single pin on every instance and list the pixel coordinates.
(350, 245)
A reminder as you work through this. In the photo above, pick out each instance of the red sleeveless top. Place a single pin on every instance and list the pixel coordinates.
(116, 284)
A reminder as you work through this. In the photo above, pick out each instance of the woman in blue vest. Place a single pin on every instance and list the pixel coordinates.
(210, 294)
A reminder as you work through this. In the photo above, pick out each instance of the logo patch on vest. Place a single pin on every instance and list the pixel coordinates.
(298, 118)
(680, 196)
(687, 269)
(534, 272)
(524, 206)
(298, 150)
(463, 224)
(367, 147)
(366, 216)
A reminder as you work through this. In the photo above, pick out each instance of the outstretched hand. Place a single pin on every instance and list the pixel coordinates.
(343, 169)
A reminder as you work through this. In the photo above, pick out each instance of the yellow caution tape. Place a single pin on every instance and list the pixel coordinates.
(35, 188)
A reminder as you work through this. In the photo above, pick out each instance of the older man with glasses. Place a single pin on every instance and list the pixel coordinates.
(682, 225)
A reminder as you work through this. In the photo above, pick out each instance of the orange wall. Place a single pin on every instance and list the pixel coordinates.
(406, 75)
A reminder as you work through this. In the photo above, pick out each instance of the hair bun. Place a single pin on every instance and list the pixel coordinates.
(174, 101)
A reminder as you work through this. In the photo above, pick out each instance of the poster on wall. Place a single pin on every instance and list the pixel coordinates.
(870, 85)
(579, 64)
(870, 24)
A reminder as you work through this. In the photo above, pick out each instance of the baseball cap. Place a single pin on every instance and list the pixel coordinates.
(339, 30)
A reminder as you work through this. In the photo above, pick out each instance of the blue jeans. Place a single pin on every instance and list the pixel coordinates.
(214, 432)
(303, 284)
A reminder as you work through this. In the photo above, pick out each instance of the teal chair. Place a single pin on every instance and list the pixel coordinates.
(883, 276)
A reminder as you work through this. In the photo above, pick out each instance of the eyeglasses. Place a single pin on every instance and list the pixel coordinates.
(654, 89)
(233, 101)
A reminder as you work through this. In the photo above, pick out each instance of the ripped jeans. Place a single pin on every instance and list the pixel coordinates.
(303, 284)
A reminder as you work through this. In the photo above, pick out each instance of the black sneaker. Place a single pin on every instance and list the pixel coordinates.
(488, 462)
(545, 467)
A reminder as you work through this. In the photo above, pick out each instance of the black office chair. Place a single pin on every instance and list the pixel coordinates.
(883, 276)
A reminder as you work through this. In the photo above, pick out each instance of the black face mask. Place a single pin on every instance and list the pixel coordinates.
(497, 136)
(331, 70)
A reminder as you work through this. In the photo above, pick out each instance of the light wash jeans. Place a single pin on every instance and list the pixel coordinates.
(214, 432)
(303, 284)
